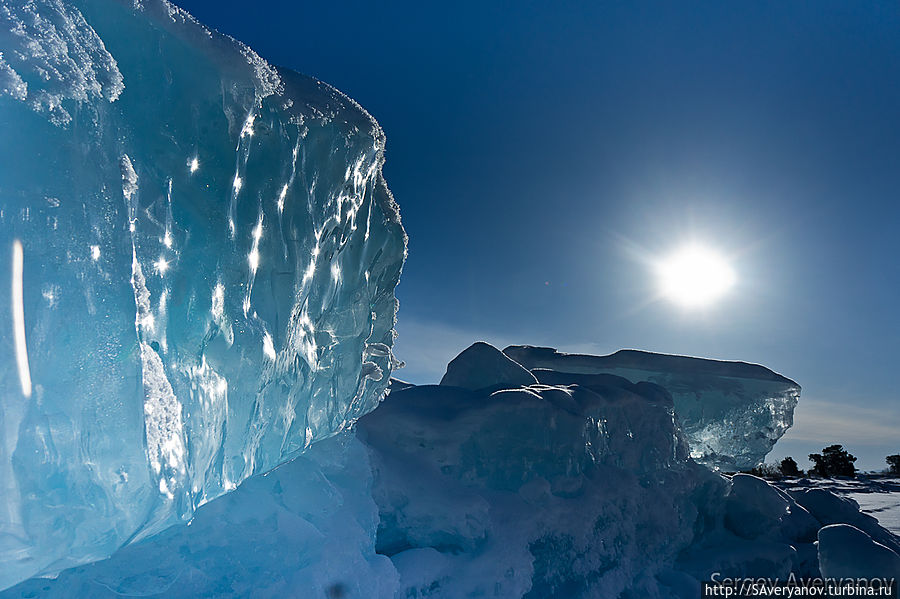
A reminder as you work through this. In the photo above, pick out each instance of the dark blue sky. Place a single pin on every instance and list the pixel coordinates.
(538, 150)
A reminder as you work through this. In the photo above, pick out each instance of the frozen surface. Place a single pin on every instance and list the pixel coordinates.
(885, 507)
(731, 413)
(575, 489)
(203, 254)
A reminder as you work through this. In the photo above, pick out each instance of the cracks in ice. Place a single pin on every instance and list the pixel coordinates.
(163, 425)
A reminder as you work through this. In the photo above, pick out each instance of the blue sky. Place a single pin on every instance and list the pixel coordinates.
(542, 152)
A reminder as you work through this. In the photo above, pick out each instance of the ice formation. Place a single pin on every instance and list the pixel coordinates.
(574, 489)
(304, 529)
(202, 258)
(731, 413)
(202, 254)
(482, 366)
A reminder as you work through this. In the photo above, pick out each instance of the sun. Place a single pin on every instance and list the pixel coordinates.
(695, 276)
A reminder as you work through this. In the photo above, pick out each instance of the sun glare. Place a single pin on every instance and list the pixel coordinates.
(695, 276)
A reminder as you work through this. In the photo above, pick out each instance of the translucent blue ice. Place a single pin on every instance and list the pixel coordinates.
(731, 413)
(513, 489)
(198, 256)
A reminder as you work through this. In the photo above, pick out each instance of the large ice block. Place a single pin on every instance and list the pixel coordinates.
(198, 256)
(509, 490)
(731, 413)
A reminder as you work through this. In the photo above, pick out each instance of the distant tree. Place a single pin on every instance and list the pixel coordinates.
(789, 467)
(764, 471)
(894, 463)
(833, 461)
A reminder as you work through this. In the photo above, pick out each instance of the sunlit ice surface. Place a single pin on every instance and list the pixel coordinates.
(695, 276)
(198, 256)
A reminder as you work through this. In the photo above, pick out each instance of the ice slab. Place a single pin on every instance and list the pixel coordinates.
(482, 365)
(731, 413)
(202, 253)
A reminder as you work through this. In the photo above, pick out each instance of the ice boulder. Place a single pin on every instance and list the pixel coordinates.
(731, 413)
(202, 254)
(847, 552)
(538, 491)
(754, 508)
(798, 525)
(482, 365)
